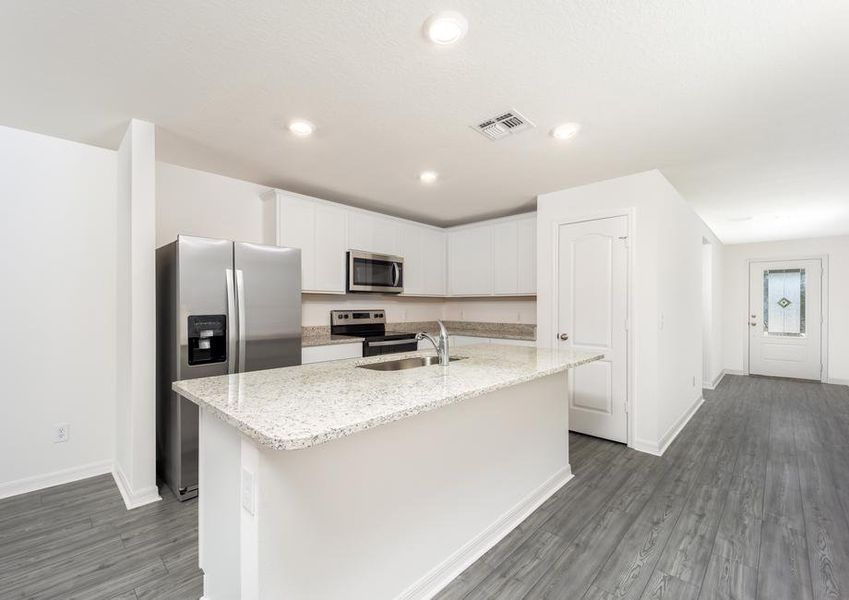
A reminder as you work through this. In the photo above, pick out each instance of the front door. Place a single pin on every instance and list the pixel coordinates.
(785, 318)
(592, 310)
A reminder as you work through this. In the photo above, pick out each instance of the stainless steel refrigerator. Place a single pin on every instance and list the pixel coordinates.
(222, 307)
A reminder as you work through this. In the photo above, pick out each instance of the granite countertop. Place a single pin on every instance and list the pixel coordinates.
(302, 406)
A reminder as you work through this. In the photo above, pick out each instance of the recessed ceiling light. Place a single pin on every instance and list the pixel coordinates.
(301, 128)
(566, 131)
(428, 177)
(446, 28)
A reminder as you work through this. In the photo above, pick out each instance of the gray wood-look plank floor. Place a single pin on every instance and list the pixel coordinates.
(78, 541)
(750, 501)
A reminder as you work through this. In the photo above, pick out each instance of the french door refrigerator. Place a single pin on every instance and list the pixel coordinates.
(222, 307)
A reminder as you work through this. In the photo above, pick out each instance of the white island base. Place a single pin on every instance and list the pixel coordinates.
(395, 511)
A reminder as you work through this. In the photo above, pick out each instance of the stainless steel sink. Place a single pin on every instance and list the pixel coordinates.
(407, 363)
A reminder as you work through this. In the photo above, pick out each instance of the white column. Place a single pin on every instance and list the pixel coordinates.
(135, 452)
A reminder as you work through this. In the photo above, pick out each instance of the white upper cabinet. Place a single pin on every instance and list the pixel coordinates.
(373, 233)
(470, 261)
(319, 230)
(505, 258)
(414, 264)
(433, 258)
(526, 247)
(423, 250)
(485, 259)
(493, 258)
(330, 248)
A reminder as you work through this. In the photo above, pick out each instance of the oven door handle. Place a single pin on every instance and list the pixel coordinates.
(392, 342)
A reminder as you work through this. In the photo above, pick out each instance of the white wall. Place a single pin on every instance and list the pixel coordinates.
(58, 228)
(135, 293)
(736, 297)
(712, 281)
(204, 204)
(666, 241)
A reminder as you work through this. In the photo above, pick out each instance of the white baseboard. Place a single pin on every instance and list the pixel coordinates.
(733, 372)
(834, 381)
(712, 385)
(658, 448)
(39, 482)
(429, 585)
(133, 498)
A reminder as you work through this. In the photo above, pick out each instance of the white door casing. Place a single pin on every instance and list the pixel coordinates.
(785, 318)
(592, 309)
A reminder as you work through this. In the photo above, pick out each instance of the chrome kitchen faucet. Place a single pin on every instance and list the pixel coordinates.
(441, 344)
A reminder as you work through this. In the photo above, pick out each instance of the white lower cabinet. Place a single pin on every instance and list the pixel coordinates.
(316, 354)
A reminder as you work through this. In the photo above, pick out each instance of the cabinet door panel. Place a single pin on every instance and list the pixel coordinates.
(411, 251)
(361, 232)
(505, 257)
(527, 256)
(387, 236)
(433, 252)
(331, 242)
(297, 230)
(470, 261)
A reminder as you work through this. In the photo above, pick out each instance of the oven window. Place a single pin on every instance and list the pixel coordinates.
(376, 272)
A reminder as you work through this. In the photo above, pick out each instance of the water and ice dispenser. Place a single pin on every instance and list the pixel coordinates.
(207, 339)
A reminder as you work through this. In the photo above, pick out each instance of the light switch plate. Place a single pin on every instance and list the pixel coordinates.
(248, 491)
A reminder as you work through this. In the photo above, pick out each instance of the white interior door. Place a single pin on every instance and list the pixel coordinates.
(592, 310)
(785, 318)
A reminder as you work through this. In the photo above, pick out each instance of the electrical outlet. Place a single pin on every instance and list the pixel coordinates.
(248, 491)
(61, 432)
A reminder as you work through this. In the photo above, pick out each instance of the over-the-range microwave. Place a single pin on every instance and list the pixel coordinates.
(370, 272)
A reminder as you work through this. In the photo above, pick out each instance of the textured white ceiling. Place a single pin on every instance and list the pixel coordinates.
(743, 104)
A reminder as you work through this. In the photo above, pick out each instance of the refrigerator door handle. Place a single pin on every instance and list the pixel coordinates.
(240, 295)
(231, 322)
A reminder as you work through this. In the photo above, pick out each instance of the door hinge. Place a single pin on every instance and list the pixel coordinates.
(626, 240)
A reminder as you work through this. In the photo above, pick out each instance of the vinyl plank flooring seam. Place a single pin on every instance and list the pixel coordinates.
(743, 430)
(734, 432)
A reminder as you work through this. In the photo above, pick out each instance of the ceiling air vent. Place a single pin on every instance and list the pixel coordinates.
(504, 124)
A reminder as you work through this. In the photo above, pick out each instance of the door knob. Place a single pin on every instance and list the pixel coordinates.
(563, 336)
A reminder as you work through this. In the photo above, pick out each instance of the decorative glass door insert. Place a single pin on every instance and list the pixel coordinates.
(784, 302)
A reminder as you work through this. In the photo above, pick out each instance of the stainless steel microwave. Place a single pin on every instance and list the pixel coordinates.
(369, 272)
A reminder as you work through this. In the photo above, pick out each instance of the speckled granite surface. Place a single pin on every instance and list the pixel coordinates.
(303, 406)
(319, 335)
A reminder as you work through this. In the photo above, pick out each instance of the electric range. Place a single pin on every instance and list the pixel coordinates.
(371, 325)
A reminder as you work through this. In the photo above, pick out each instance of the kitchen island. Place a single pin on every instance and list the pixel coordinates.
(335, 481)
